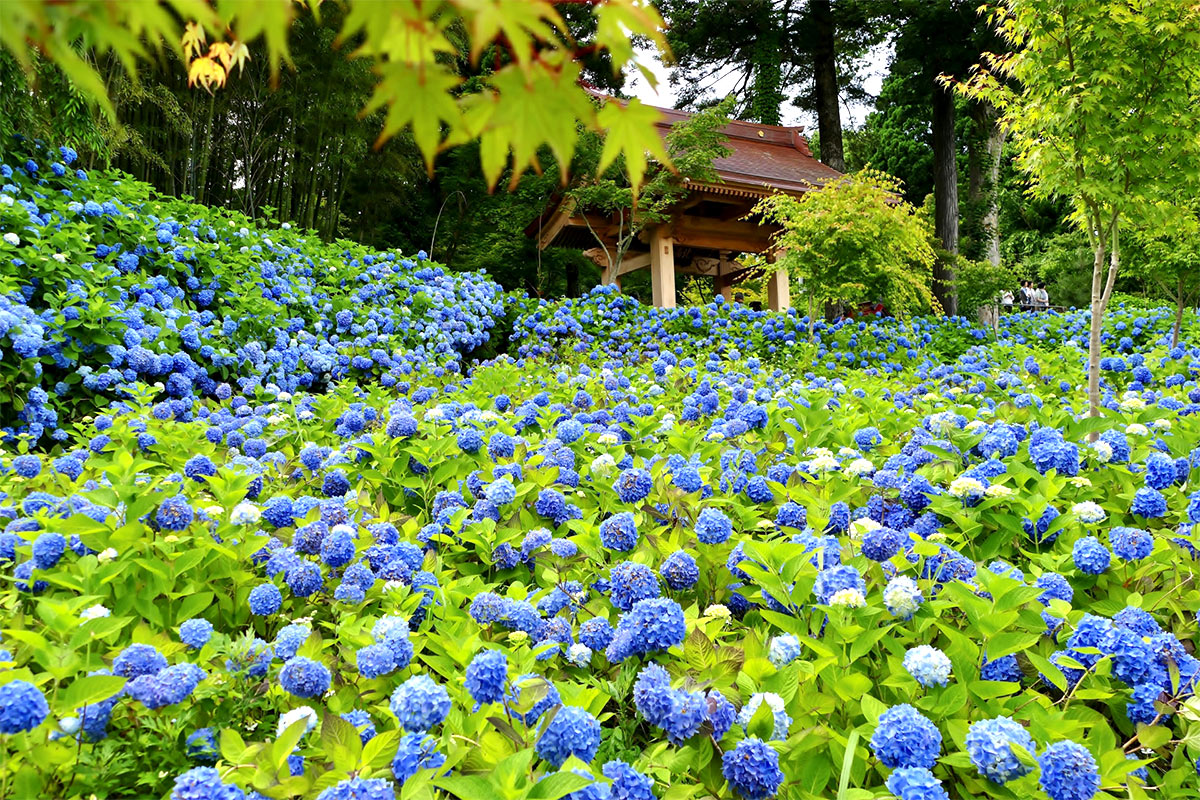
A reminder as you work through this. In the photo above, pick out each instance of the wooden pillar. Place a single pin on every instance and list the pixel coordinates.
(779, 295)
(662, 268)
(723, 281)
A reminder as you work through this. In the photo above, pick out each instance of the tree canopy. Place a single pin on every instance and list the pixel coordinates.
(1098, 97)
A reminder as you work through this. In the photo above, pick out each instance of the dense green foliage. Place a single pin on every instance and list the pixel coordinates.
(854, 241)
(302, 533)
(294, 505)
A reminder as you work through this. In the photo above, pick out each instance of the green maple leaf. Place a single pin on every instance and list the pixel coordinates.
(417, 96)
(629, 131)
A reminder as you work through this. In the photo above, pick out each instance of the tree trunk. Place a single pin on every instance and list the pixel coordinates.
(829, 113)
(1179, 301)
(945, 195)
(1094, 330)
(767, 93)
(205, 151)
(1101, 292)
(991, 213)
(983, 176)
(572, 272)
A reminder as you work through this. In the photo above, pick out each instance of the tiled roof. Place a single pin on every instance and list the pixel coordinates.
(764, 157)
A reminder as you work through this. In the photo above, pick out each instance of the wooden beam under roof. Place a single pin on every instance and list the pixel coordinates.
(558, 218)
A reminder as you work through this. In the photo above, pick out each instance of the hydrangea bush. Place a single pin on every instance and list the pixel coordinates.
(107, 284)
(638, 557)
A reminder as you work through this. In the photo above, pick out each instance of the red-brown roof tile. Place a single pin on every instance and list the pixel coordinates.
(764, 157)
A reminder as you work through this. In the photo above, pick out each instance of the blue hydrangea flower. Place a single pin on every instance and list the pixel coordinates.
(486, 677)
(881, 544)
(265, 599)
(596, 633)
(303, 578)
(783, 650)
(752, 769)
(375, 660)
(905, 738)
(195, 632)
(680, 570)
(619, 532)
(633, 485)
(1148, 503)
(359, 789)
(23, 707)
(650, 626)
(721, 713)
(989, 745)
(630, 582)
(417, 751)
(304, 677)
(174, 514)
(137, 660)
(48, 549)
(27, 466)
(713, 527)
(627, 782)
(419, 704)
(915, 783)
(1068, 772)
(1091, 556)
(204, 783)
(836, 579)
(572, 732)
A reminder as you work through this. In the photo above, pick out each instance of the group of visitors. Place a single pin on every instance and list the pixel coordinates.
(1029, 297)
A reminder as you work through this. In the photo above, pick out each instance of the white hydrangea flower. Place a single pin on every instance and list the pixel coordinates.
(1103, 450)
(902, 596)
(608, 437)
(975, 425)
(1080, 482)
(290, 718)
(1088, 512)
(107, 554)
(245, 513)
(718, 611)
(848, 598)
(603, 464)
(824, 463)
(1161, 424)
(996, 490)
(94, 612)
(1137, 429)
(12, 238)
(860, 526)
(964, 487)
(860, 466)
(579, 654)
